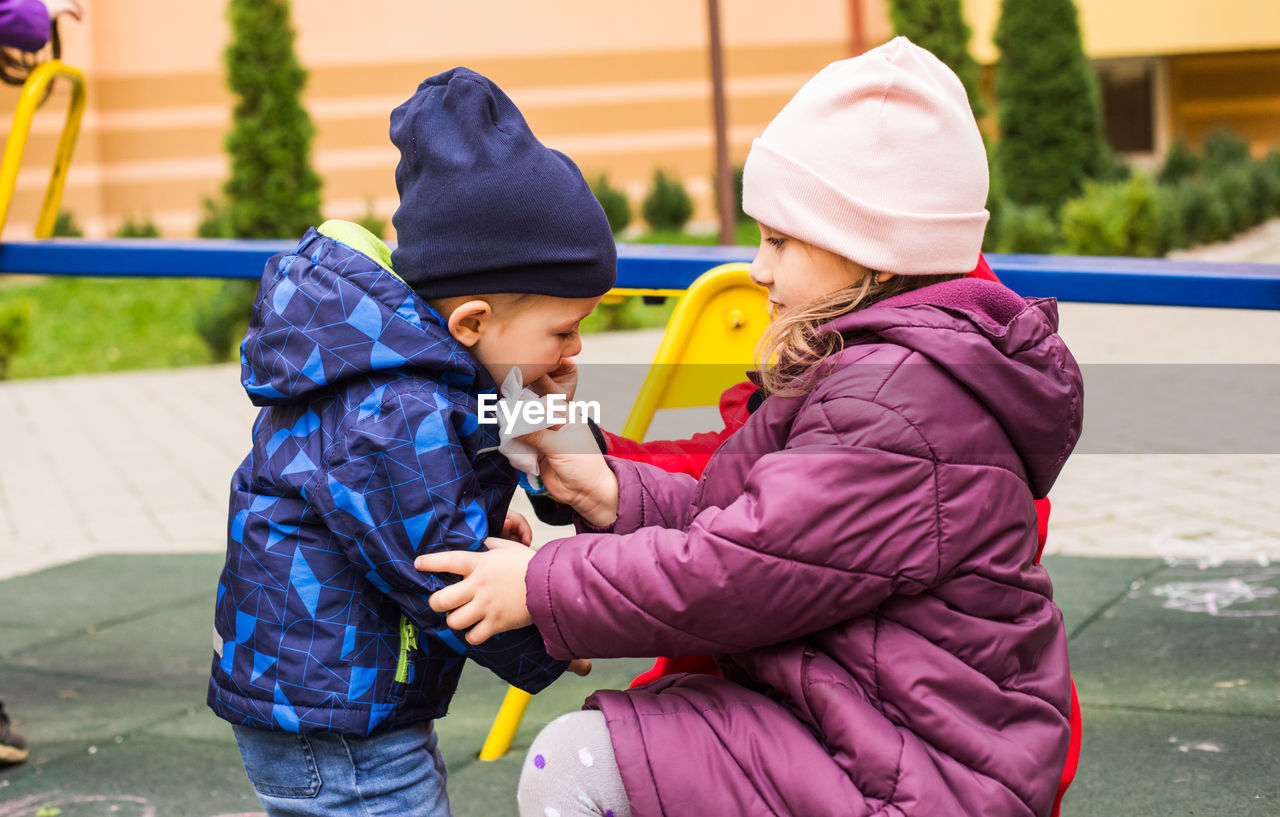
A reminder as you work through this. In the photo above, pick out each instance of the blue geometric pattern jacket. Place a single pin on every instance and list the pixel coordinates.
(367, 453)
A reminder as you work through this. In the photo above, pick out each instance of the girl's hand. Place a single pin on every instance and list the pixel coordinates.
(517, 529)
(580, 666)
(574, 472)
(561, 380)
(490, 598)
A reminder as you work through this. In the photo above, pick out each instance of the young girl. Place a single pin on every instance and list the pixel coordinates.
(860, 556)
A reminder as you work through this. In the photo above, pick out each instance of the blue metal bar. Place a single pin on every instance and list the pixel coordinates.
(140, 257)
(1154, 281)
(640, 265)
(644, 266)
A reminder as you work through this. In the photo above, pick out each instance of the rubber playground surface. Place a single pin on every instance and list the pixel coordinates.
(103, 665)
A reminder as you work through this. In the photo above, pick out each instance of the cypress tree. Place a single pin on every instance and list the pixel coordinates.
(273, 191)
(939, 26)
(1050, 113)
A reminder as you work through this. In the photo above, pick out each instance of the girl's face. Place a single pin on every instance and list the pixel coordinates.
(796, 273)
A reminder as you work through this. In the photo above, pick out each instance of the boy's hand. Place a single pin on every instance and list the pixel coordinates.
(517, 529)
(580, 666)
(490, 598)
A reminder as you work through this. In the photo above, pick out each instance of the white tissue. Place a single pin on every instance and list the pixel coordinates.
(512, 392)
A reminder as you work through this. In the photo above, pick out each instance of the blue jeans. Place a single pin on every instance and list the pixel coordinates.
(397, 774)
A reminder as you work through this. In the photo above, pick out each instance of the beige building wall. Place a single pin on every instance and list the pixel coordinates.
(621, 88)
(1210, 63)
(1126, 28)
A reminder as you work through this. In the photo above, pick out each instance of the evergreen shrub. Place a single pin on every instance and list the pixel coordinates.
(1174, 230)
(743, 218)
(373, 222)
(215, 221)
(667, 206)
(617, 209)
(1206, 215)
(146, 228)
(1224, 148)
(1027, 229)
(65, 226)
(996, 203)
(1050, 114)
(273, 191)
(1234, 186)
(1181, 163)
(15, 328)
(1117, 218)
(1266, 185)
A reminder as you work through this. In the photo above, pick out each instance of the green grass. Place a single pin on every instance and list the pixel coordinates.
(89, 325)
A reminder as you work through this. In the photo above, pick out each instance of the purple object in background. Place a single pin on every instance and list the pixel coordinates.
(24, 24)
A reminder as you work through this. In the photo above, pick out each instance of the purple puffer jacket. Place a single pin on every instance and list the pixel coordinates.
(861, 561)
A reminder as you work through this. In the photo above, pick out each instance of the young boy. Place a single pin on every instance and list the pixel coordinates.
(368, 452)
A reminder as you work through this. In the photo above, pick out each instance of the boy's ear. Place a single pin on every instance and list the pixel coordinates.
(468, 321)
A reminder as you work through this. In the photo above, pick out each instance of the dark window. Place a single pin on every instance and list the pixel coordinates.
(1128, 105)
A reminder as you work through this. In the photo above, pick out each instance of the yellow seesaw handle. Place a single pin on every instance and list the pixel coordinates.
(33, 93)
(505, 725)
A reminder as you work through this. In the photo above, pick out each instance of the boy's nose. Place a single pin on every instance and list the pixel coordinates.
(574, 347)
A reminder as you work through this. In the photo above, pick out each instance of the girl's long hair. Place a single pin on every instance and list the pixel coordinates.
(16, 66)
(798, 346)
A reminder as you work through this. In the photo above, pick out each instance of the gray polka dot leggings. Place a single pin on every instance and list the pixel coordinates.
(570, 771)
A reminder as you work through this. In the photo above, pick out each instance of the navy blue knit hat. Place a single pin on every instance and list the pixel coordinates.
(484, 206)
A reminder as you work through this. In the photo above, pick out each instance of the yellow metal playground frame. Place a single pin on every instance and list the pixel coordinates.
(716, 321)
(33, 93)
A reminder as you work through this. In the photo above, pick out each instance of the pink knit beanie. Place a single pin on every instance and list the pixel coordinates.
(877, 159)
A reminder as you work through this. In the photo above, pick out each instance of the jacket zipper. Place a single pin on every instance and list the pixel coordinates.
(408, 641)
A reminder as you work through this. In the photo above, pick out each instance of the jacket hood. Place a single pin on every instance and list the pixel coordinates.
(1004, 349)
(326, 312)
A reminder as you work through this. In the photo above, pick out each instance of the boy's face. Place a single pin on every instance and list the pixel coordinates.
(535, 332)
